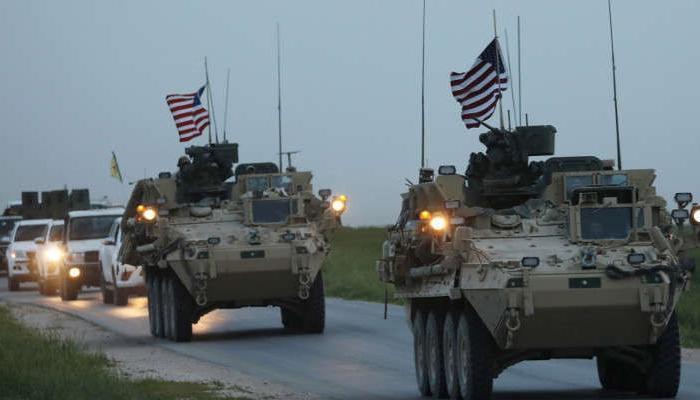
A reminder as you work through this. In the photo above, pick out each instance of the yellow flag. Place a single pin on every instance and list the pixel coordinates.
(114, 168)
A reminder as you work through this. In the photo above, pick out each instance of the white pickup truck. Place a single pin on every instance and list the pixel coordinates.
(21, 260)
(118, 280)
(84, 234)
(49, 258)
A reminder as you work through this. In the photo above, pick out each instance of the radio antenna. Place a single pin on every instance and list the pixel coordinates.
(520, 81)
(228, 76)
(422, 97)
(279, 96)
(617, 118)
(510, 74)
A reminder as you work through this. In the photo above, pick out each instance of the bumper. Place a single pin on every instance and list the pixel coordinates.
(134, 279)
(89, 273)
(23, 271)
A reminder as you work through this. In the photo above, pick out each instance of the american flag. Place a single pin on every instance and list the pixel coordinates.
(189, 114)
(479, 89)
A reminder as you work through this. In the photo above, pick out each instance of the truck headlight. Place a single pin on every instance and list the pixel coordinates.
(339, 203)
(146, 213)
(438, 222)
(695, 215)
(74, 272)
(54, 254)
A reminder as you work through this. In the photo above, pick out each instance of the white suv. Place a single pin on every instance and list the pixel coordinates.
(84, 232)
(21, 260)
(49, 258)
(118, 280)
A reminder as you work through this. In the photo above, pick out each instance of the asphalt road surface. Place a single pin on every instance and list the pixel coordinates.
(360, 356)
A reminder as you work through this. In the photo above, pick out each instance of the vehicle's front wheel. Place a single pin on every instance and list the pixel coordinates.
(121, 296)
(617, 375)
(419, 356)
(475, 363)
(314, 316)
(178, 307)
(434, 353)
(664, 373)
(449, 353)
(155, 315)
(68, 289)
(107, 294)
(12, 284)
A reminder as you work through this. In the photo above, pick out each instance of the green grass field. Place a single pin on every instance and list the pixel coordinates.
(350, 274)
(38, 366)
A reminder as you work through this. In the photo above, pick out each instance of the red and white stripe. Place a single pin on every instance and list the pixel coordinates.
(190, 119)
(478, 91)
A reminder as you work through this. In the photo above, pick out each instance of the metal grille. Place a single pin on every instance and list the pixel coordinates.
(91, 256)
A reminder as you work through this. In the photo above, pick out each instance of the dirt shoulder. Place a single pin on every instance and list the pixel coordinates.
(140, 360)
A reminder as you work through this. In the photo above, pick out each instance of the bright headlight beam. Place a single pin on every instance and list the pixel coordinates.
(74, 272)
(338, 205)
(149, 214)
(438, 223)
(695, 216)
(54, 254)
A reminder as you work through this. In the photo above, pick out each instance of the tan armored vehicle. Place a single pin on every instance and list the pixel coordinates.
(207, 242)
(517, 261)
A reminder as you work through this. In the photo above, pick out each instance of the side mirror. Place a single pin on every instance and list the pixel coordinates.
(39, 240)
(683, 199)
(324, 193)
(108, 242)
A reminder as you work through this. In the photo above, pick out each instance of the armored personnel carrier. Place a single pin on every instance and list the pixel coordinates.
(210, 237)
(519, 260)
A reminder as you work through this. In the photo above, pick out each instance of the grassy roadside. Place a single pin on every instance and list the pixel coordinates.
(40, 366)
(349, 273)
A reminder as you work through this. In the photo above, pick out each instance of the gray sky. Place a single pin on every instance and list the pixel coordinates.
(82, 78)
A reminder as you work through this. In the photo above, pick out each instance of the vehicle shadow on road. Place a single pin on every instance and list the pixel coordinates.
(581, 394)
(243, 334)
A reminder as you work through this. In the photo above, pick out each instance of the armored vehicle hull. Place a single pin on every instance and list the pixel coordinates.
(206, 243)
(518, 261)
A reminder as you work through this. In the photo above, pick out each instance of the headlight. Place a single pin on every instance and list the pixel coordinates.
(18, 254)
(338, 204)
(438, 222)
(146, 213)
(695, 215)
(74, 272)
(54, 254)
(76, 257)
(424, 215)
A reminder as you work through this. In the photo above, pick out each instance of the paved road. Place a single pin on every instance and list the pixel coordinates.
(361, 355)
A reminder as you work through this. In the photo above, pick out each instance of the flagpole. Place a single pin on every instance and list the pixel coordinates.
(228, 76)
(210, 103)
(498, 73)
(422, 97)
(279, 96)
(617, 118)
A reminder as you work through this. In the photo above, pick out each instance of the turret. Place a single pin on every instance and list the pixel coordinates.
(204, 173)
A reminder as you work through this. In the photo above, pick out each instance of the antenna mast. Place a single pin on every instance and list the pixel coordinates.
(279, 96)
(520, 81)
(422, 97)
(617, 118)
(510, 70)
(210, 102)
(498, 70)
(228, 76)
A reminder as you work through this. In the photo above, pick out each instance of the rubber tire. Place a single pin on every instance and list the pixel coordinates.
(68, 290)
(12, 285)
(121, 297)
(419, 354)
(434, 351)
(42, 288)
(180, 308)
(107, 294)
(155, 307)
(449, 346)
(290, 320)
(664, 374)
(474, 358)
(166, 307)
(617, 375)
(313, 319)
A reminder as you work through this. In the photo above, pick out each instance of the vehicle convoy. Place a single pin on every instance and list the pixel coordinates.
(49, 257)
(7, 224)
(84, 233)
(514, 261)
(21, 262)
(207, 242)
(118, 280)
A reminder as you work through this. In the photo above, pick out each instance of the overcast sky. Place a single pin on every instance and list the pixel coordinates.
(80, 79)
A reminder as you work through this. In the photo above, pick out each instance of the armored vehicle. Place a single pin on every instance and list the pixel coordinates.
(519, 260)
(210, 238)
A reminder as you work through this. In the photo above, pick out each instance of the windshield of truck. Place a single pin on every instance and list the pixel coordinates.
(271, 211)
(612, 223)
(614, 180)
(56, 233)
(257, 184)
(282, 182)
(6, 226)
(573, 182)
(27, 233)
(97, 227)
